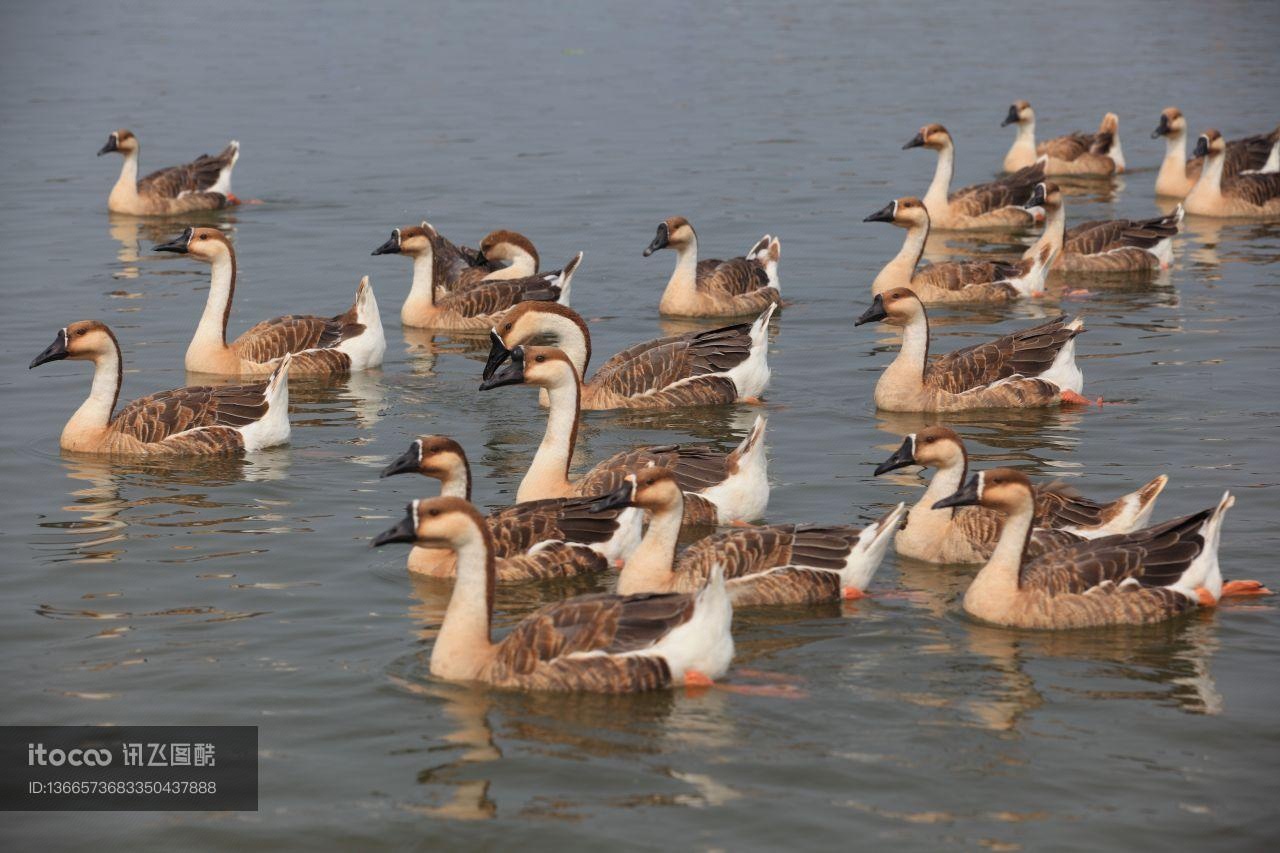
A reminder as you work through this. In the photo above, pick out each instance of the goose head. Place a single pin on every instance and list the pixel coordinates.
(1210, 144)
(510, 247)
(907, 212)
(436, 523)
(526, 321)
(897, 307)
(650, 488)
(412, 240)
(1045, 194)
(1001, 489)
(204, 244)
(435, 456)
(674, 233)
(84, 340)
(1110, 124)
(932, 447)
(1172, 123)
(933, 136)
(541, 367)
(120, 140)
(1020, 113)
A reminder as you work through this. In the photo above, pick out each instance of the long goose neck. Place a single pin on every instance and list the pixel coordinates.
(127, 184)
(1175, 150)
(937, 194)
(548, 474)
(685, 275)
(1001, 571)
(650, 567)
(912, 248)
(456, 483)
(914, 353)
(1026, 135)
(463, 646)
(946, 481)
(422, 293)
(212, 330)
(1055, 230)
(571, 340)
(1211, 175)
(108, 374)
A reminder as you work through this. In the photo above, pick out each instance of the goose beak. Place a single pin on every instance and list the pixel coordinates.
(405, 463)
(917, 141)
(481, 260)
(511, 373)
(617, 499)
(901, 458)
(1037, 197)
(498, 353)
(177, 245)
(1162, 129)
(884, 214)
(659, 240)
(404, 531)
(391, 247)
(1202, 147)
(55, 351)
(1011, 118)
(967, 496)
(109, 147)
(873, 314)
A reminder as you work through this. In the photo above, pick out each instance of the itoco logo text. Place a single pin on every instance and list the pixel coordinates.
(38, 755)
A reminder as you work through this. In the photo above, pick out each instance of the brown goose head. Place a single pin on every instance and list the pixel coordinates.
(675, 233)
(651, 488)
(435, 456)
(205, 244)
(896, 307)
(508, 246)
(906, 212)
(1002, 489)
(1210, 144)
(528, 321)
(120, 140)
(84, 340)
(933, 136)
(412, 240)
(932, 447)
(1020, 112)
(1172, 123)
(1045, 194)
(437, 523)
(541, 367)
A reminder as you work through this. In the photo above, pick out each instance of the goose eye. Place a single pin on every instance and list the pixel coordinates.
(541, 358)
(433, 512)
(81, 332)
(204, 236)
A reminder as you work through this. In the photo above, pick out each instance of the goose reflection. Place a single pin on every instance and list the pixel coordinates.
(133, 233)
(425, 346)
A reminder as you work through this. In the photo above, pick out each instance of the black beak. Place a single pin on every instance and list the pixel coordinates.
(498, 353)
(1037, 197)
(405, 463)
(1162, 129)
(109, 147)
(617, 499)
(55, 351)
(1202, 147)
(481, 260)
(402, 532)
(884, 214)
(1011, 118)
(391, 247)
(659, 240)
(967, 496)
(901, 458)
(511, 373)
(917, 141)
(873, 314)
(178, 245)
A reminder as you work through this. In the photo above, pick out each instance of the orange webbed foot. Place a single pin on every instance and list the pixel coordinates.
(1072, 397)
(1205, 597)
(737, 522)
(1243, 589)
(693, 678)
(752, 401)
(232, 199)
(852, 593)
(1078, 293)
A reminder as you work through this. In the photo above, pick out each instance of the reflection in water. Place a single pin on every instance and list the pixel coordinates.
(132, 232)
(424, 346)
(1216, 240)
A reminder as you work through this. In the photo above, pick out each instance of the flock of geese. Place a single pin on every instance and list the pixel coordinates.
(1051, 558)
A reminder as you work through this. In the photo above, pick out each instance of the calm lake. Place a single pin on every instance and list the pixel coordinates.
(245, 592)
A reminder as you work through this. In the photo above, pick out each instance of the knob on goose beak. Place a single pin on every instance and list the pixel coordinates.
(55, 351)
(1037, 197)
(405, 463)
(406, 530)
(901, 458)
(110, 146)
(391, 247)
(968, 495)
(873, 314)
(1011, 118)
(1202, 147)
(1162, 129)
(659, 240)
(884, 214)
(511, 373)
(177, 245)
(498, 353)
(917, 141)
(619, 498)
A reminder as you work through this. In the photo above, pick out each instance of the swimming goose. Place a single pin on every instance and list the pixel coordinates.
(502, 255)
(1104, 246)
(321, 346)
(951, 281)
(969, 534)
(1248, 194)
(997, 204)
(777, 564)
(203, 184)
(536, 540)
(469, 306)
(1026, 369)
(182, 422)
(599, 643)
(1178, 175)
(724, 365)
(715, 288)
(1133, 578)
(1082, 154)
(721, 488)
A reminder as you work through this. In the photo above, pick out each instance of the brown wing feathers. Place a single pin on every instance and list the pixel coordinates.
(159, 416)
(1012, 190)
(196, 176)
(1027, 352)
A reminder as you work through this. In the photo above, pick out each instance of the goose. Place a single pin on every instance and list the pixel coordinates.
(952, 281)
(321, 346)
(715, 288)
(473, 306)
(536, 540)
(777, 564)
(724, 365)
(969, 534)
(1104, 246)
(1248, 194)
(599, 643)
(195, 421)
(1080, 154)
(1029, 368)
(722, 488)
(1178, 175)
(202, 184)
(997, 204)
(502, 255)
(1141, 577)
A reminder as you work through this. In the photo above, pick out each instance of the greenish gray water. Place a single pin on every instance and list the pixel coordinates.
(245, 592)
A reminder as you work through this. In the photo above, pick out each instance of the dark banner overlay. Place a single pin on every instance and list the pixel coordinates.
(128, 768)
